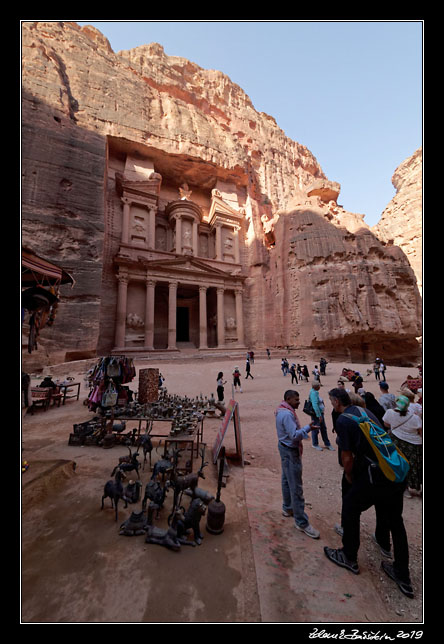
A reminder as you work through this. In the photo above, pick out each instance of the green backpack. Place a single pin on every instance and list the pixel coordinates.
(391, 460)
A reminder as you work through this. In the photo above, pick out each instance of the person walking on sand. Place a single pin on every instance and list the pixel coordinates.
(247, 369)
(290, 435)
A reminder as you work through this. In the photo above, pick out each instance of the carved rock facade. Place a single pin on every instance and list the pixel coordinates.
(187, 216)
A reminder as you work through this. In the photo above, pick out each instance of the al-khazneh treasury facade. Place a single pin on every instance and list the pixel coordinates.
(174, 252)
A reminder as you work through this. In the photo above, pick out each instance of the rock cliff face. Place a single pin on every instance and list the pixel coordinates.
(333, 284)
(401, 221)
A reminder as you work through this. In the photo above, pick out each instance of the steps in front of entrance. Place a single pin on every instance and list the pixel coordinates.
(186, 351)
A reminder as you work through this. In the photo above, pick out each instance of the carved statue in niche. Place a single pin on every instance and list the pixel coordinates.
(134, 321)
(268, 226)
(161, 239)
(230, 323)
(185, 192)
(204, 246)
(228, 244)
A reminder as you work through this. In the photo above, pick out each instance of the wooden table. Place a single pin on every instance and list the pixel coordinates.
(64, 390)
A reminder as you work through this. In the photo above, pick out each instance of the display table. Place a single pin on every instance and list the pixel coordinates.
(64, 389)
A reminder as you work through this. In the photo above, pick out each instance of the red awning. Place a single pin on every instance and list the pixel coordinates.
(36, 270)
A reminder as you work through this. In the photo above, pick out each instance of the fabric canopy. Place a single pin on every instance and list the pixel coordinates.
(36, 270)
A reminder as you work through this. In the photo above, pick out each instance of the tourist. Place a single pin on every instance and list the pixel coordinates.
(294, 376)
(372, 404)
(220, 386)
(357, 381)
(290, 435)
(236, 379)
(360, 493)
(318, 407)
(247, 369)
(251, 357)
(323, 364)
(341, 383)
(299, 371)
(284, 366)
(376, 369)
(305, 372)
(316, 374)
(415, 407)
(382, 371)
(268, 353)
(386, 400)
(406, 432)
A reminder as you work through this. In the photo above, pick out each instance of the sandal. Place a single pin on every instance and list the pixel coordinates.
(338, 557)
(404, 586)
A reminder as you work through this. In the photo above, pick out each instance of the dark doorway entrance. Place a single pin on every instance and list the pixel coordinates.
(183, 324)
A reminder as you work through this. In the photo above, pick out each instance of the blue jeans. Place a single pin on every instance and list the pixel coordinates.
(292, 492)
(315, 432)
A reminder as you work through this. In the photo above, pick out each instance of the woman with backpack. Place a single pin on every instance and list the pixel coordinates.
(406, 432)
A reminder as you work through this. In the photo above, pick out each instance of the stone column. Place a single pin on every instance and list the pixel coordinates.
(125, 221)
(219, 242)
(152, 229)
(203, 341)
(236, 245)
(122, 293)
(149, 314)
(172, 313)
(239, 317)
(195, 239)
(220, 318)
(178, 235)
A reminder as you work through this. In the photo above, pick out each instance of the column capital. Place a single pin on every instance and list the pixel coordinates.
(203, 288)
(123, 278)
(125, 200)
(220, 289)
(149, 281)
(173, 284)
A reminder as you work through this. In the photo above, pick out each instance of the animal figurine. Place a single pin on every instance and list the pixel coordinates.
(191, 520)
(132, 491)
(156, 493)
(147, 447)
(114, 490)
(134, 525)
(161, 537)
(165, 466)
(187, 481)
(133, 464)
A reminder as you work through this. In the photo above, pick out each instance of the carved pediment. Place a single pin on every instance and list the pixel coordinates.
(147, 188)
(184, 264)
(221, 210)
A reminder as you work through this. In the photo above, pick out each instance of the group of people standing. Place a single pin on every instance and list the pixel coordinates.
(401, 416)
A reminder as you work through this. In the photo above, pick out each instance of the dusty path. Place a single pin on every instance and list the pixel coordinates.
(77, 569)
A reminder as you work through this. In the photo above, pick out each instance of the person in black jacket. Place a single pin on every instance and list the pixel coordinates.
(361, 490)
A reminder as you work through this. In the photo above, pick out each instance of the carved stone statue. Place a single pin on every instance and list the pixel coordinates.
(134, 321)
(230, 323)
(185, 192)
(268, 225)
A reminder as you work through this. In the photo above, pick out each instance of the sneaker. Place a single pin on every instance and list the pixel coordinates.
(339, 529)
(338, 557)
(330, 447)
(384, 552)
(318, 447)
(287, 513)
(404, 586)
(309, 531)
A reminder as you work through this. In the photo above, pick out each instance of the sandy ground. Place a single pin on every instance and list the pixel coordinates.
(76, 568)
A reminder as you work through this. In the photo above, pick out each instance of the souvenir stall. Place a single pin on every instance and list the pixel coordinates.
(41, 281)
(108, 381)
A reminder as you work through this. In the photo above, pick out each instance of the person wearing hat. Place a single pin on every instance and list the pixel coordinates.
(48, 382)
(386, 400)
(406, 432)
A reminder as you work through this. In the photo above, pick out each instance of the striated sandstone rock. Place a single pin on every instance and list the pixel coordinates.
(401, 221)
(90, 114)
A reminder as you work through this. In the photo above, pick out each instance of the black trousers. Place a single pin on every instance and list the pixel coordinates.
(387, 498)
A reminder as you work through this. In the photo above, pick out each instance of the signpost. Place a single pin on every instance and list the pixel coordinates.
(232, 413)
